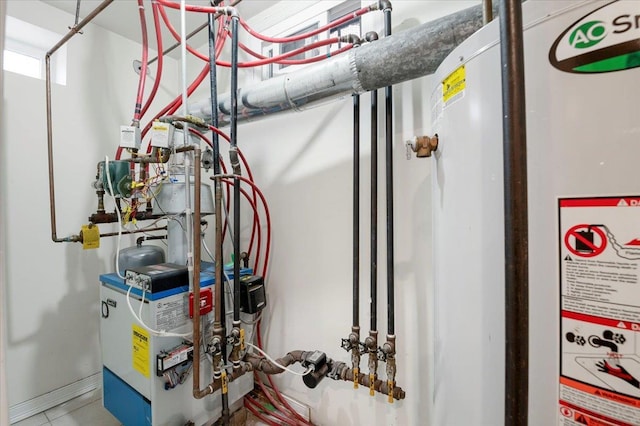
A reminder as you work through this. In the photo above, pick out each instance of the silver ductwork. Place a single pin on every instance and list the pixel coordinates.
(401, 57)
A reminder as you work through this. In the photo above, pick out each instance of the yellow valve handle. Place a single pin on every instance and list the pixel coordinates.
(356, 374)
(390, 391)
(225, 382)
(372, 390)
(242, 346)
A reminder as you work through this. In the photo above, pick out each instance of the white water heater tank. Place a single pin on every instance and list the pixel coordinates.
(583, 135)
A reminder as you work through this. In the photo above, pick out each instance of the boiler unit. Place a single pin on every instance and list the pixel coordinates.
(148, 376)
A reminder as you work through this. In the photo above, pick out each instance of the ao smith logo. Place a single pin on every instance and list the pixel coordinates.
(605, 40)
(587, 35)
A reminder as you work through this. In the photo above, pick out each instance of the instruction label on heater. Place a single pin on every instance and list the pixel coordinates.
(140, 350)
(599, 256)
(169, 313)
(453, 86)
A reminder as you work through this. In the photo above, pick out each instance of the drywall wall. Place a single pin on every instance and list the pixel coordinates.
(52, 291)
(303, 161)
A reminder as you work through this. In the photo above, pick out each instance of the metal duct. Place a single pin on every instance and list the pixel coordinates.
(405, 56)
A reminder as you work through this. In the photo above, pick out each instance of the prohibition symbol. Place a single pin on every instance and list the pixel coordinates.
(566, 412)
(585, 240)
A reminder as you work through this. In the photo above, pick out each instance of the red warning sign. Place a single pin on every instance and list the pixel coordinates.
(585, 240)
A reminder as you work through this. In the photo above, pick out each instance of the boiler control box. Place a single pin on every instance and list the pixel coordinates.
(157, 278)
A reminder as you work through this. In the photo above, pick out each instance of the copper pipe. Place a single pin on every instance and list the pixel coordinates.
(52, 197)
(197, 256)
(153, 158)
(487, 11)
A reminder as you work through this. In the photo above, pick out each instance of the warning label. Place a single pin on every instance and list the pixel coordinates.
(453, 86)
(599, 260)
(140, 350)
(168, 313)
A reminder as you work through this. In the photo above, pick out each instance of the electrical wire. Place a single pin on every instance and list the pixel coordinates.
(274, 362)
(142, 323)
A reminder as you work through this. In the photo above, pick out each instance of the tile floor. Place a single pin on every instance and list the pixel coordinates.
(81, 411)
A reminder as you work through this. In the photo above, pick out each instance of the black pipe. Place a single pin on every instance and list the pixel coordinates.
(374, 210)
(388, 93)
(515, 215)
(219, 283)
(236, 181)
(356, 210)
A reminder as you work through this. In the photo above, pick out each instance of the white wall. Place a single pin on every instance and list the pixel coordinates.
(52, 291)
(4, 402)
(303, 161)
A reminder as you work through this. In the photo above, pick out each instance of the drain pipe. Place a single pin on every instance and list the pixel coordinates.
(515, 215)
(47, 59)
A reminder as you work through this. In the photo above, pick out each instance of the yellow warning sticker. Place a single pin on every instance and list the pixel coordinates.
(90, 237)
(140, 350)
(455, 83)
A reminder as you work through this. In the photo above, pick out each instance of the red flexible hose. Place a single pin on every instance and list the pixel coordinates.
(205, 9)
(256, 219)
(268, 217)
(156, 83)
(264, 61)
(306, 48)
(258, 415)
(322, 29)
(313, 59)
(281, 417)
(275, 403)
(273, 385)
(145, 61)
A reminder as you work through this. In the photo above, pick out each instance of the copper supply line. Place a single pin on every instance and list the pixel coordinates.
(52, 196)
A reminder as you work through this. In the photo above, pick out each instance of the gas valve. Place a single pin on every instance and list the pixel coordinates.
(423, 146)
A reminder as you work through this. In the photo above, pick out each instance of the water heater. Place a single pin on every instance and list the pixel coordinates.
(583, 134)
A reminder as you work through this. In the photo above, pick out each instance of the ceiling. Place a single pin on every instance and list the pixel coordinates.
(121, 17)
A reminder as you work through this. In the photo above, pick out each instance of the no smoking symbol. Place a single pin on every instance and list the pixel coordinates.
(585, 240)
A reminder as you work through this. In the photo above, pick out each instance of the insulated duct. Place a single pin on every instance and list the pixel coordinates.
(405, 56)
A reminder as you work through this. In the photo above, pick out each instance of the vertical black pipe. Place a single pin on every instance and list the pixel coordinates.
(388, 92)
(515, 215)
(236, 181)
(374, 210)
(213, 79)
(356, 210)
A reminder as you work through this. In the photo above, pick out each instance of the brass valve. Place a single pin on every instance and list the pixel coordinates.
(423, 146)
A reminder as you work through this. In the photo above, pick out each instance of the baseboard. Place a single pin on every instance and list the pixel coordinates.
(41, 403)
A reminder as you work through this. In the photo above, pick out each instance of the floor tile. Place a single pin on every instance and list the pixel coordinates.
(92, 414)
(73, 404)
(37, 420)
